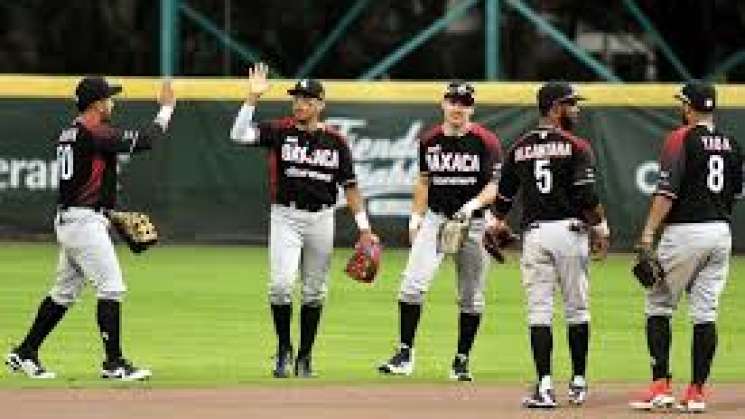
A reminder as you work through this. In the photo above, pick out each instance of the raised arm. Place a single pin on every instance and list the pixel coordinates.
(244, 131)
(129, 140)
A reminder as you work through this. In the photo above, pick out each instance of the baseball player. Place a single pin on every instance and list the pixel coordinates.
(700, 177)
(308, 161)
(457, 159)
(87, 168)
(554, 174)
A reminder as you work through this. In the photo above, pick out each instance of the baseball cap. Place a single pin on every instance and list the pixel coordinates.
(700, 95)
(308, 88)
(461, 92)
(93, 88)
(556, 91)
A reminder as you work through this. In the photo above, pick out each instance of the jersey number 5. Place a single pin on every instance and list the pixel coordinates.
(715, 179)
(543, 178)
(64, 161)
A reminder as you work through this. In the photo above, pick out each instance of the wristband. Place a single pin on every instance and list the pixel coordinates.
(362, 222)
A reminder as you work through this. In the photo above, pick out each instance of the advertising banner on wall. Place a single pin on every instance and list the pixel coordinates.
(201, 187)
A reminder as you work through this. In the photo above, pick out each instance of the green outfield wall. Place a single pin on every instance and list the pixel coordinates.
(200, 187)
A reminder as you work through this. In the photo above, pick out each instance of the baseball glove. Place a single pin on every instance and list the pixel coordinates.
(451, 234)
(496, 239)
(364, 264)
(135, 228)
(648, 269)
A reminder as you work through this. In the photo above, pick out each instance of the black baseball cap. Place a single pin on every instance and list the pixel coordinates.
(556, 91)
(460, 92)
(93, 88)
(699, 95)
(308, 88)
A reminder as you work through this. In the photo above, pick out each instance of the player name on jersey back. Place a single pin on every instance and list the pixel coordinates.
(715, 143)
(543, 151)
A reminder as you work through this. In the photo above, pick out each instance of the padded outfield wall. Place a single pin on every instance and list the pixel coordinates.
(200, 187)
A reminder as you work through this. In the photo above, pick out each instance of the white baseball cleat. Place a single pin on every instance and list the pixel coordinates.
(29, 365)
(542, 397)
(401, 363)
(123, 370)
(578, 390)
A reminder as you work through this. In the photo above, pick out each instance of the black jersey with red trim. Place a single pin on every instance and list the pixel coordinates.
(87, 160)
(306, 168)
(701, 171)
(458, 168)
(554, 173)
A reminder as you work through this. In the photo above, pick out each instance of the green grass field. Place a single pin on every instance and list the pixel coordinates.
(198, 316)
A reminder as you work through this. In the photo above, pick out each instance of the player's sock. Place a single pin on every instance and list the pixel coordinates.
(310, 315)
(282, 315)
(542, 344)
(468, 325)
(409, 320)
(578, 336)
(109, 316)
(47, 317)
(658, 343)
(703, 348)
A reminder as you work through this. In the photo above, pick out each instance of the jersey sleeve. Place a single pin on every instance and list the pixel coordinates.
(493, 167)
(672, 165)
(507, 186)
(583, 176)
(269, 134)
(246, 132)
(347, 177)
(738, 175)
(423, 166)
(109, 139)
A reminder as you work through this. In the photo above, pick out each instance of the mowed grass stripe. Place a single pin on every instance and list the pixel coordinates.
(198, 316)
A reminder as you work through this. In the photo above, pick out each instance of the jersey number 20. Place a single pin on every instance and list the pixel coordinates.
(64, 161)
(543, 178)
(715, 179)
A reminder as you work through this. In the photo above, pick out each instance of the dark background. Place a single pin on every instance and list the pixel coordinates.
(121, 37)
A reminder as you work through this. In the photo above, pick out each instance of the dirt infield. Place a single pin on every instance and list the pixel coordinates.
(331, 402)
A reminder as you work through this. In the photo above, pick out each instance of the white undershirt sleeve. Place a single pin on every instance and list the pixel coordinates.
(244, 131)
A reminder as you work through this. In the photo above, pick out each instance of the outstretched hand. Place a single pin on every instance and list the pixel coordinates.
(258, 82)
(166, 97)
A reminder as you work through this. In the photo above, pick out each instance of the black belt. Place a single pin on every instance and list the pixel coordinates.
(308, 206)
(62, 208)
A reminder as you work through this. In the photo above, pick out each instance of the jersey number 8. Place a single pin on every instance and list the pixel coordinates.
(715, 179)
(543, 178)
(64, 161)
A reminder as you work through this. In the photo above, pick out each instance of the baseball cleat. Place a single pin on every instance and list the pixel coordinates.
(540, 398)
(658, 396)
(577, 390)
(303, 368)
(283, 363)
(693, 400)
(401, 363)
(28, 365)
(122, 369)
(459, 370)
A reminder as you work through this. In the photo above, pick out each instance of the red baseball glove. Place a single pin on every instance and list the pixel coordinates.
(364, 264)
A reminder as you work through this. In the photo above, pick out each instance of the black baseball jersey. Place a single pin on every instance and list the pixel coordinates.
(87, 163)
(306, 168)
(554, 173)
(701, 170)
(458, 168)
